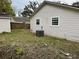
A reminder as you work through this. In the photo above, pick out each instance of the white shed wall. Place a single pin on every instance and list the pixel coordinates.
(5, 25)
(68, 22)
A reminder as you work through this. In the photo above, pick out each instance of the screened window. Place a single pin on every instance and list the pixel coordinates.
(55, 21)
(38, 22)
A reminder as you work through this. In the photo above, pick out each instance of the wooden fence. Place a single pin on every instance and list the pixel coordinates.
(19, 25)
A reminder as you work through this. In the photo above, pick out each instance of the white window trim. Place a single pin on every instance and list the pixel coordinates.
(58, 20)
(39, 22)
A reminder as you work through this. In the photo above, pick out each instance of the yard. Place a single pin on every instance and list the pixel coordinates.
(22, 44)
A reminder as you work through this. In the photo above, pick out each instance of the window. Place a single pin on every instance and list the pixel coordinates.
(55, 21)
(37, 22)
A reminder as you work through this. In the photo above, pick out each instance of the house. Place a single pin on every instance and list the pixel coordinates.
(56, 20)
(5, 24)
(21, 20)
(20, 23)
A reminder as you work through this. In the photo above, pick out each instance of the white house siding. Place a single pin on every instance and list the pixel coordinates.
(5, 25)
(68, 22)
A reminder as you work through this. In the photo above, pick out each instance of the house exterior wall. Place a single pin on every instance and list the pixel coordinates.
(5, 25)
(68, 25)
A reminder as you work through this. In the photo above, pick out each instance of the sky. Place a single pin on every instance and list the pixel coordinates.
(18, 5)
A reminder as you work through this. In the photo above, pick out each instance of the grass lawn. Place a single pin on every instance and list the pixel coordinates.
(22, 44)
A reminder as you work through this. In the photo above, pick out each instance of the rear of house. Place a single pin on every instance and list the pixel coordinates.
(5, 24)
(20, 23)
(57, 20)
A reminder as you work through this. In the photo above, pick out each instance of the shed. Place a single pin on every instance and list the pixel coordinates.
(56, 20)
(5, 24)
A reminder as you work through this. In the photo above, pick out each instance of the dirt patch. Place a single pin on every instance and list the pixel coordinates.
(37, 51)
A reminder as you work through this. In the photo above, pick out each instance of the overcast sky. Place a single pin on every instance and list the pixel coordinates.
(20, 4)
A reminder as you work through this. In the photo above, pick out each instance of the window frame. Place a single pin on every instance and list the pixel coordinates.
(37, 21)
(55, 21)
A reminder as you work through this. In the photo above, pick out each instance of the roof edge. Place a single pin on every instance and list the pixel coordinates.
(52, 3)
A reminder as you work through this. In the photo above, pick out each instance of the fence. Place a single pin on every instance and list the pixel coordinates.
(19, 25)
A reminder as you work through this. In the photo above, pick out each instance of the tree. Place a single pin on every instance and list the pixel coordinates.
(75, 4)
(30, 8)
(5, 6)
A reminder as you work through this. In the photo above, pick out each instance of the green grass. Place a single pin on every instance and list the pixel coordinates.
(23, 38)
